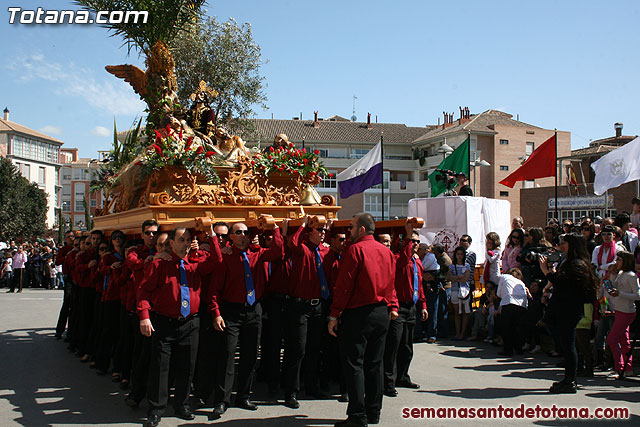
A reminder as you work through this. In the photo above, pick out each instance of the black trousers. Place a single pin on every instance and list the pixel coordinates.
(109, 336)
(303, 341)
(398, 349)
(86, 305)
(566, 334)
(124, 349)
(74, 314)
(512, 319)
(95, 331)
(140, 362)
(19, 278)
(66, 306)
(175, 340)
(274, 329)
(243, 326)
(208, 357)
(363, 332)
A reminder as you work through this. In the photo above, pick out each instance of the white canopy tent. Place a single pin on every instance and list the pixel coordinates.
(447, 218)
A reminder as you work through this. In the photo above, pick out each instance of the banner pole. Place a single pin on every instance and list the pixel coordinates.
(382, 170)
(556, 176)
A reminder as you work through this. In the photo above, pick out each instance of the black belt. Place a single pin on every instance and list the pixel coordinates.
(406, 304)
(276, 295)
(313, 301)
(176, 320)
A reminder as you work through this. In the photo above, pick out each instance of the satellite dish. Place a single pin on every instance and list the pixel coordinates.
(354, 118)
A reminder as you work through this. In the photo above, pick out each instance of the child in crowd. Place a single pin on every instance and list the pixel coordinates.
(535, 311)
(481, 315)
(494, 303)
(459, 273)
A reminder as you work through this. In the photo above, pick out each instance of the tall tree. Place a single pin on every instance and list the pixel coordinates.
(227, 58)
(23, 206)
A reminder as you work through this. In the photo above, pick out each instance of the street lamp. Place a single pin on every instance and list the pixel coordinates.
(445, 149)
(473, 165)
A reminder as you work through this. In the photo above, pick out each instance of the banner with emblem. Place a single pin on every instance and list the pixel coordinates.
(617, 167)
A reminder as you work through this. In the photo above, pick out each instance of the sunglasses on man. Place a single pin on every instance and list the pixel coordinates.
(241, 232)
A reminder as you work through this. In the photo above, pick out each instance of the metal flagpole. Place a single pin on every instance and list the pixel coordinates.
(382, 170)
(556, 175)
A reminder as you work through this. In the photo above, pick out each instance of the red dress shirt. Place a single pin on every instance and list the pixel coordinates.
(61, 255)
(133, 274)
(69, 263)
(115, 278)
(82, 268)
(304, 281)
(404, 276)
(229, 284)
(162, 287)
(365, 276)
(330, 263)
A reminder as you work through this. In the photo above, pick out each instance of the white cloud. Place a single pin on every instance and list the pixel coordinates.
(112, 96)
(100, 131)
(52, 130)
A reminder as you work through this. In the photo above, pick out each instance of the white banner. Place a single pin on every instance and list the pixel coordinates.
(617, 167)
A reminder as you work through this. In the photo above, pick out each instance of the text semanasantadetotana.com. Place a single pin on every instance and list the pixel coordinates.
(520, 412)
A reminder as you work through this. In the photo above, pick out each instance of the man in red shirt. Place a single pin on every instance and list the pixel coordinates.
(237, 290)
(275, 307)
(308, 292)
(364, 300)
(173, 287)
(398, 350)
(85, 261)
(66, 302)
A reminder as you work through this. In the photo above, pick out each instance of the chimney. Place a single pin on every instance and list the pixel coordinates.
(316, 124)
(617, 126)
(369, 125)
(6, 113)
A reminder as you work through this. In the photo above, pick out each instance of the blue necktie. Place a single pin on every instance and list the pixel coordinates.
(248, 280)
(324, 288)
(415, 281)
(269, 271)
(105, 284)
(185, 299)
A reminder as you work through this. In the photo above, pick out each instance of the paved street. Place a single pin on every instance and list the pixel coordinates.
(41, 383)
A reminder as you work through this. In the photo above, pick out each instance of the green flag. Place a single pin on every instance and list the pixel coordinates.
(458, 161)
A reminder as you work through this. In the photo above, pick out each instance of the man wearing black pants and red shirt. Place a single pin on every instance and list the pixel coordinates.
(66, 278)
(308, 292)
(398, 350)
(174, 289)
(237, 289)
(364, 301)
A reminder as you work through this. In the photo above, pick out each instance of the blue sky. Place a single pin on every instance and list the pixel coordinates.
(571, 65)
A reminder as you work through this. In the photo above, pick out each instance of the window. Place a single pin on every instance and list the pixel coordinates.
(529, 184)
(56, 177)
(323, 152)
(80, 189)
(66, 189)
(529, 148)
(504, 167)
(41, 176)
(79, 205)
(94, 203)
(358, 153)
(504, 194)
(66, 177)
(329, 182)
(66, 206)
(372, 203)
(504, 142)
(26, 171)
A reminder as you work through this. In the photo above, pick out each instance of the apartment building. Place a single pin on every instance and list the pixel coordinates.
(412, 153)
(36, 156)
(76, 176)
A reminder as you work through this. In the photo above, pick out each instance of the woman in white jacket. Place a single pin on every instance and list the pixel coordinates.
(624, 293)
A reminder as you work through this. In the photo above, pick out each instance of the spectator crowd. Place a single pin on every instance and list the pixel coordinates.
(270, 298)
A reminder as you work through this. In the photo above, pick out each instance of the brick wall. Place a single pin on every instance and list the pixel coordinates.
(536, 200)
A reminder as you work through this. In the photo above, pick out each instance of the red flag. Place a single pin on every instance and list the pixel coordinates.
(540, 164)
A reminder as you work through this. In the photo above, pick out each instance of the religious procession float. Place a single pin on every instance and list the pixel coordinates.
(186, 169)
